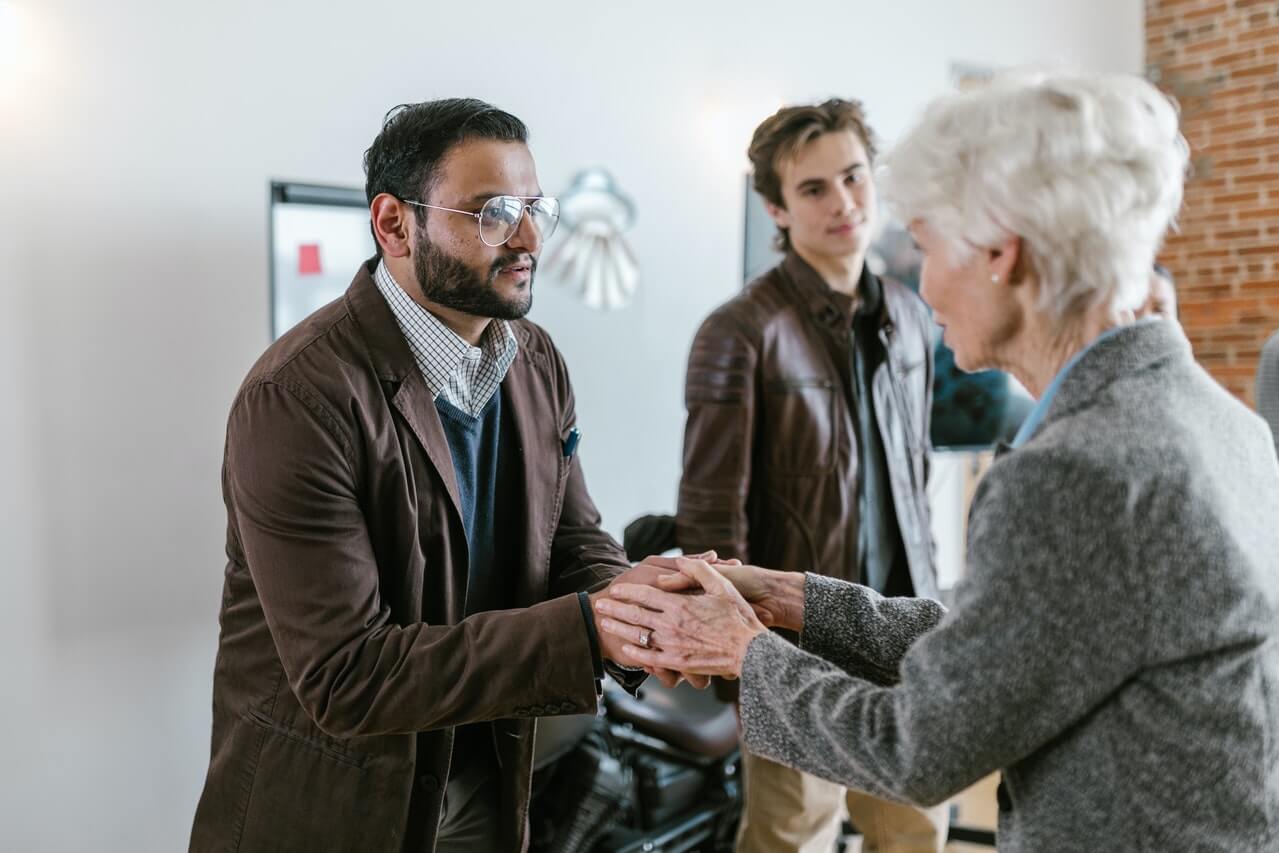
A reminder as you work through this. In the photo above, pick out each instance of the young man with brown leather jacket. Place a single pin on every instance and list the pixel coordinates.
(806, 446)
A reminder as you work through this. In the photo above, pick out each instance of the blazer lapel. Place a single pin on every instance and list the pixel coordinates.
(538, 461)
(395, 366)
(413, 402)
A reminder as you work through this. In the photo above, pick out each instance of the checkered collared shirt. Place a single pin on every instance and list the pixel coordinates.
(467, 376)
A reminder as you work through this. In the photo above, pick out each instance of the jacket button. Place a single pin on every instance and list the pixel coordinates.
(1005, 802)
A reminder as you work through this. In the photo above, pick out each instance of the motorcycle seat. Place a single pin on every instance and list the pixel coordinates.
(692, 720)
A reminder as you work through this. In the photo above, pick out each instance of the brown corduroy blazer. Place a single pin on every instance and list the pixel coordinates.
(344, 661)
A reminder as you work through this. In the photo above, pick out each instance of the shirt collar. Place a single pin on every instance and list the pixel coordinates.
(438, 350)
(1037, 414)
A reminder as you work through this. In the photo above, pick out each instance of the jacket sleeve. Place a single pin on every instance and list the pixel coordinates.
(291, 486)
(885, 627)
(720, 394)
(584, 558)
(1051, 621)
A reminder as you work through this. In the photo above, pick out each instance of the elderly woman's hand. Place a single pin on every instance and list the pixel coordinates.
(776, 597)
(650, 571)
(693, 634)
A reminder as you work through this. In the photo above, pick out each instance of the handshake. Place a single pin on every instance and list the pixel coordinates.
(688, 618)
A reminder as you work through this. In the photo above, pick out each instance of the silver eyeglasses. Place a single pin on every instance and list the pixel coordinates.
(500, 216)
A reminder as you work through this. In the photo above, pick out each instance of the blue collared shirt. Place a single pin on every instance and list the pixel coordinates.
(1037, 414)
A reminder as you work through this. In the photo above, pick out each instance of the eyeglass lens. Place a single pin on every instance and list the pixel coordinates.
(500, 217)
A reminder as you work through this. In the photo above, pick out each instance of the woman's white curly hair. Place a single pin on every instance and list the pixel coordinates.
(1087, 169)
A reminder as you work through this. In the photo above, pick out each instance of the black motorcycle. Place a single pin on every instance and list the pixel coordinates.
(654, 773)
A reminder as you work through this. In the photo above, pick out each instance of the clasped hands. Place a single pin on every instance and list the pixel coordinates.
(693, 617)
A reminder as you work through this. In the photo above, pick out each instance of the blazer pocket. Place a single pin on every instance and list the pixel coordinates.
(566, 451)
(304, 794)
(322, 746)
(798, 422)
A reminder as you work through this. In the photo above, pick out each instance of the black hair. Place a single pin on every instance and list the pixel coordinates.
(405, 156)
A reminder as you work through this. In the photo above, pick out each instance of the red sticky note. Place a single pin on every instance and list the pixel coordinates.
(309, 259)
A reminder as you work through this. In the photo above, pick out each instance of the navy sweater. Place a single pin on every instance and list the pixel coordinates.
(475, 444)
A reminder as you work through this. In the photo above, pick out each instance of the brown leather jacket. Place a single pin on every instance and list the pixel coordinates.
(770, 457)
(342, 613)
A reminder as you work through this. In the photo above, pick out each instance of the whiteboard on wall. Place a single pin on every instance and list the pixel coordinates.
(319, 236)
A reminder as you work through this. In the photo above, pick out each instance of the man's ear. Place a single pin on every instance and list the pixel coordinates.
(393, 223)
(781, 216)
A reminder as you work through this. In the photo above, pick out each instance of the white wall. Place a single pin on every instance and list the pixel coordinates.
(138, 137)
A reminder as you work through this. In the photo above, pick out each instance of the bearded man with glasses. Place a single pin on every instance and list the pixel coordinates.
(411, 548)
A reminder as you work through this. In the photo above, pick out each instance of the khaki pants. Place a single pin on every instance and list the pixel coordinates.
(787, 811)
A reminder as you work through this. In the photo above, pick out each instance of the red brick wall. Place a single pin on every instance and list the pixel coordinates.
(1220, 59)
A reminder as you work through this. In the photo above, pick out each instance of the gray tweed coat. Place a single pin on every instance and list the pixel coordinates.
(1114, 650)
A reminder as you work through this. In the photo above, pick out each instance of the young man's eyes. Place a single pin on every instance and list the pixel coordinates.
(816, 190)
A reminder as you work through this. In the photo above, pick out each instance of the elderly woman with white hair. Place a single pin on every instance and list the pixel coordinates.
(1114, 648)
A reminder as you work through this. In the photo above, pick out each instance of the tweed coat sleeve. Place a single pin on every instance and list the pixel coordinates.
(886, 627)
(1049, 622)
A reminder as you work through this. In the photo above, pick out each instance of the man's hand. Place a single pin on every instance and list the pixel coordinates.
(646, 573)
(700, 634)
(776, 597)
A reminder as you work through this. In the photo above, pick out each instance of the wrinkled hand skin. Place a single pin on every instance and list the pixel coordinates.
(692, 634)
(776, 597)
(647, 571)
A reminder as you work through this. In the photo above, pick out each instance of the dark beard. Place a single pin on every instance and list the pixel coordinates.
(447, 281)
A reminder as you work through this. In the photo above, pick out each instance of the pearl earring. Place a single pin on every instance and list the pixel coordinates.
(994, 279)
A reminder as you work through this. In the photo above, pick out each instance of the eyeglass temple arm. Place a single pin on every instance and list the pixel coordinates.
(437, 207)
